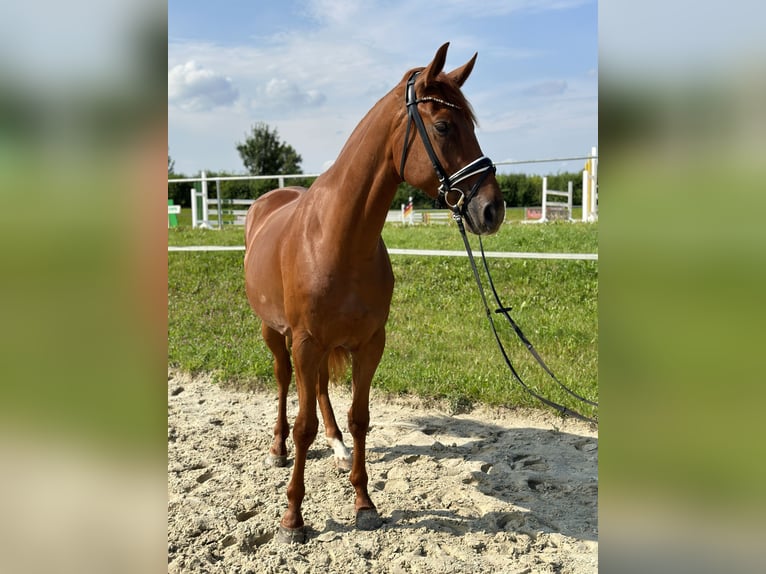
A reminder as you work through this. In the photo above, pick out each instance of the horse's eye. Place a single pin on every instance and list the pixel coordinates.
(442, 128)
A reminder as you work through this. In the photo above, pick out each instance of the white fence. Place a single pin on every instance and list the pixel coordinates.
(420, 252)
(204, 207)
(420, 217)
(216, 212)
(562, 210)
(556, 210)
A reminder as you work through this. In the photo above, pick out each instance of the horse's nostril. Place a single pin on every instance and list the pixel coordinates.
(489, 215)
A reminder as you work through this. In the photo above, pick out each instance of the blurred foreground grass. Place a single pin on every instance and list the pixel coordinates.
(82, 288)
(681, 286)
(683, 272)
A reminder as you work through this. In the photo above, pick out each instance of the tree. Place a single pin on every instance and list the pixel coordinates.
(420, 200)
(178, 192)
(264, 154)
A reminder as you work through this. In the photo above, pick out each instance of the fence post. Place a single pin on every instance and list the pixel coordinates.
(544, 214)
(205, 216)
(193, 193)
(593, 183)
(218, 201)
(570, 195)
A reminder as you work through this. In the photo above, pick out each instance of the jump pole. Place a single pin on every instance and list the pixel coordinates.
(589, 179)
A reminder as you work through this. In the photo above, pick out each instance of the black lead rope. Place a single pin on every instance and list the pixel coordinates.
(565, 411)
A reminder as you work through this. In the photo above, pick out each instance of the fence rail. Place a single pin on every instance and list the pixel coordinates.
(224, 213)
(421, 252)
(201, 201)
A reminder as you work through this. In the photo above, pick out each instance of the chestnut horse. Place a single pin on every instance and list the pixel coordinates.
(318, 274)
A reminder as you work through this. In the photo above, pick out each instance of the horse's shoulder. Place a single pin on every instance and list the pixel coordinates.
(267, 204)
(280, 196)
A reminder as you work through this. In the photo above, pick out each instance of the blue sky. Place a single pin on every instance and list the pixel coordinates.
(312, 68)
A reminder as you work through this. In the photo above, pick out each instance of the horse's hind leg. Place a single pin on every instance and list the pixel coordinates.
(341, 454)
(283, 371)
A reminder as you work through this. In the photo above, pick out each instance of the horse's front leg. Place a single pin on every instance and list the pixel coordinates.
(307, 358)
(365, 362)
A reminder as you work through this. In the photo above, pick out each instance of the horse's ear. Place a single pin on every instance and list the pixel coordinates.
(460, 75)
(436, 66)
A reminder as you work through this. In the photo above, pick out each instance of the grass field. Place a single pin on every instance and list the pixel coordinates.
(439, 343)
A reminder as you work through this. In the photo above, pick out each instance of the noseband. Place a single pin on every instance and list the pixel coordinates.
(448, 183)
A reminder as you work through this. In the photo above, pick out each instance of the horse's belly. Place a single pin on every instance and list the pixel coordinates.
(266, 298)
(347, 312)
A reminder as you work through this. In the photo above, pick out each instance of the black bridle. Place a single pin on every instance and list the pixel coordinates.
(484, 166)
(448, 183)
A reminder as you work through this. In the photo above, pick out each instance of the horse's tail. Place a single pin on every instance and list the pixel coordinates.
(338, 363)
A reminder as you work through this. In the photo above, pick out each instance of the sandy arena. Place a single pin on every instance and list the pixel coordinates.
(493, 490)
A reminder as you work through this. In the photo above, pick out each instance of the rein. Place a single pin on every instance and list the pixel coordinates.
(505, 311)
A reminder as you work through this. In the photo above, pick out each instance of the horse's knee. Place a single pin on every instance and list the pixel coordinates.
(305, 430)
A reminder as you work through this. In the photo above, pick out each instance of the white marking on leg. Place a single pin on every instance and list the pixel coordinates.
(341, 453)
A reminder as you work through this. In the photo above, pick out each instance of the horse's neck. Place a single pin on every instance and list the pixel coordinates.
(358, 189)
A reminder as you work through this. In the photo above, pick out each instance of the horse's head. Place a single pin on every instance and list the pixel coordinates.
(442, 156)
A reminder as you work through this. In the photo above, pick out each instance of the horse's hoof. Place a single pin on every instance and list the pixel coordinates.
(291, 535)
(343, 464)
(273, 460)
(368, 519)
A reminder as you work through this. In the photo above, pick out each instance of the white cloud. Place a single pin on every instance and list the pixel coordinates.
(194, 88)
(282, 93)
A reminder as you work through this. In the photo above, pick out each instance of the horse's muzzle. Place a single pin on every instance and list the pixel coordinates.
(484, 216)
